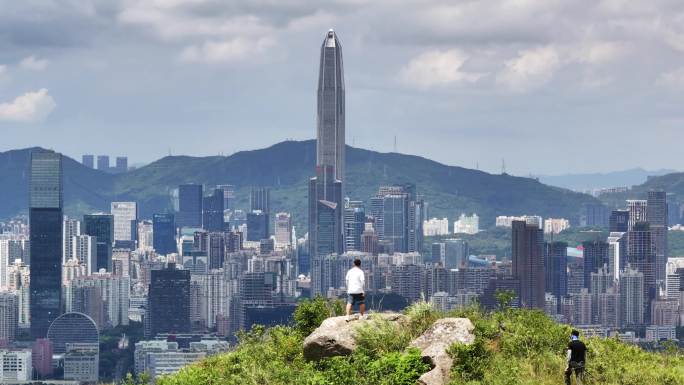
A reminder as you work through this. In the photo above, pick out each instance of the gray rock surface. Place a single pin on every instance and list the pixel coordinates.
(434, 344)
(335, 336)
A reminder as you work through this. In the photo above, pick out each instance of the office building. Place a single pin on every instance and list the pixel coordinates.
(125, 221)
(596, 215)
(656, 216)
(101, 226)
(45, 218)
(103, 163)
(257, 226)
(283, 229)
(595, 255)
(212, 211)
(169, 300)
(228, 195)
(190, 205)
(555, 270)
(72, 328)
(456, 254)
(81, 362)
(164, 233)
(528, 263)
(260, 199)
(619, 221)
(330, 117)
(15, 366)
(354, 225)
(88, 161)
(641, 257)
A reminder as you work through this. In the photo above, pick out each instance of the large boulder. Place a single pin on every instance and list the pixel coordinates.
(434, 344)
(336, 335)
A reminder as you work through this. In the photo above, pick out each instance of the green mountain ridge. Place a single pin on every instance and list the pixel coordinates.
(286, 168)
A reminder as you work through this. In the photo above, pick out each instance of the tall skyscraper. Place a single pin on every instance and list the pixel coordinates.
(45, 218)
(88, 161)
(528, 263)
(228, 195)
(169, 299)
(212, 211)
(70, 228)
(257, 226)
(325, 214)
(641, 257)
(330, 149)
(164, 233)
(190, 205)
(125, 220)
(656, 215)
(101, 226)
(354, 224)
(556, 270)
(595, 256)
(637, 212)
(260, 199)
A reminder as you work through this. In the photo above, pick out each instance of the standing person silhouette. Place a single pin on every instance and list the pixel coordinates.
(355, 280)
(576, 356)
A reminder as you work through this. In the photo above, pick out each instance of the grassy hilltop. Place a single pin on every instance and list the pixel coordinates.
(511, 347)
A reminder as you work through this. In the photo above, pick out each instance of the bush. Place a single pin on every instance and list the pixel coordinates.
(421, 316)
(379, 336)
(311, 313)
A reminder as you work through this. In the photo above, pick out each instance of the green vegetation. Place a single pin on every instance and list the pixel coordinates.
(511, 347)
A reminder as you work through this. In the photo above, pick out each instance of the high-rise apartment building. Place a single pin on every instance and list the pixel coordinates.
(637, 212)
(164, 234)
(555, 270)
(103, 163)
(125, 220)
(190, 205)
(528, 263)
(632, 297)
(121, 164)
(641, 257)
(101, 226)
(88, 161)
(70, 228)
(9, 316)
(656, 216)
(45, 218)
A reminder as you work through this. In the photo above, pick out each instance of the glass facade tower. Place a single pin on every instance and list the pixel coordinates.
(45, 218)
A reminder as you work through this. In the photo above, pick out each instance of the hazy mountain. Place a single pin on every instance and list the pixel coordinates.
(583, 182)
(286, 167)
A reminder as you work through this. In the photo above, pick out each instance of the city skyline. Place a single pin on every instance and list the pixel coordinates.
(251, 68)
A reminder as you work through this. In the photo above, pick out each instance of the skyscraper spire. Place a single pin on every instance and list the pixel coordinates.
(330, 145)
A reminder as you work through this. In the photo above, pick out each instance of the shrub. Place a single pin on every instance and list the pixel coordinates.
(379, 336)
(421, 316)
(311, 313)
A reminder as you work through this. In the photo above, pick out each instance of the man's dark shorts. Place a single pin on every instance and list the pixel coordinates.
(354, 299)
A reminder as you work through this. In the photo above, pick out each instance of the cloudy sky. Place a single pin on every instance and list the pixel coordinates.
(551, 86)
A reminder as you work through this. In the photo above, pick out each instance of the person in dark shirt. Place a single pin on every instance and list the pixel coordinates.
(576, 356)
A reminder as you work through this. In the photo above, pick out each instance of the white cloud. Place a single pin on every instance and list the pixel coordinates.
(225, 51)
(33, 63)
(672, 79)
(530, 69)
(600, 52)
(30, 107)
(437, 68)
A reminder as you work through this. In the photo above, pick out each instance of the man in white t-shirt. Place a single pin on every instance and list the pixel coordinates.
(355, 280)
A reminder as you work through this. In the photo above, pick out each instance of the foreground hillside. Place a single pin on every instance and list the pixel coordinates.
(286, 167)
(511, 347)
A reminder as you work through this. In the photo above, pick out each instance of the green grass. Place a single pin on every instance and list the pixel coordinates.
(511, 347)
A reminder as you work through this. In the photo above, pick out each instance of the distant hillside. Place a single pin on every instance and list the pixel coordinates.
(672, 183)
(582, 182)
(286, 168)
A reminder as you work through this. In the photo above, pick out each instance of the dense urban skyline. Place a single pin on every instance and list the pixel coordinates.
(530, 74)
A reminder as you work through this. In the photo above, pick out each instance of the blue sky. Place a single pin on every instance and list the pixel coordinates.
(552, 86)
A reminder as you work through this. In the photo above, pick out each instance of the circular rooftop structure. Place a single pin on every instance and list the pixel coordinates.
(72, 328)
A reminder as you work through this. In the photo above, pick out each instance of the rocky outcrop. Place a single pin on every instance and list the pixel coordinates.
(335, 336)
(434, 344)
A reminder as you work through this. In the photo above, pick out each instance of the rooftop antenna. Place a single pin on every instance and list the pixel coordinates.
(395, 143)
(503, 166)
(477, 166)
